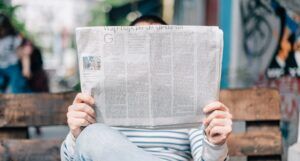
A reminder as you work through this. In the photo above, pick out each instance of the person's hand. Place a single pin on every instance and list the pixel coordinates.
(218, 123)
(26, 73)
(81, 113)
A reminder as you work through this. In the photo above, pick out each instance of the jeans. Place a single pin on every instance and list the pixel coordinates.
(11, 78)
(99, 142)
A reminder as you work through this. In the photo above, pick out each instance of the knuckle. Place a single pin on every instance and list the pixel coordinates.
(215, 113)
(93, 112)
(84, 122)
(78, 107)
(83, 106)
(70, 108)
(223, 137)
(213, 122)
(85, 115)
(230, 123)
(230, 129)
(87, 107)
(73, 127)
(74, 107)
(77, 97)
(218, 103)
(220, 113)
(69, 121)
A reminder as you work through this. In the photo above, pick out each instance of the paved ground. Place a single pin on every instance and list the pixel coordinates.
(58, 132)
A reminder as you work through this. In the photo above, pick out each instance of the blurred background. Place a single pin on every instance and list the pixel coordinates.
(261, 43)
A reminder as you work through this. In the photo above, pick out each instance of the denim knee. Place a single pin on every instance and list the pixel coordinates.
(94, 136)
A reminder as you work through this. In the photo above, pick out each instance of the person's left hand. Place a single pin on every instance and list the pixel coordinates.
(218, 123)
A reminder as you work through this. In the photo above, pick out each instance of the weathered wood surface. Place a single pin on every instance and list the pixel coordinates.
(50, 109)
(24, 110)
(34, 109)
(246, 144)
(252, 104)
(30, 150)
(255, 143)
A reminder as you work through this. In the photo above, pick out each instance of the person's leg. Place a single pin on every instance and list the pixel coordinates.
(100, 142)
(3, 80)
(17, 82)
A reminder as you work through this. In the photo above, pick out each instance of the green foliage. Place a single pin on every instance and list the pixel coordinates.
(98, 16)
(10, 12)
(99, 13)
(118, 3)
(77, 87)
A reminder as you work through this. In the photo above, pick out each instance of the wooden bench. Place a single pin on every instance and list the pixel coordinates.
(258, 109)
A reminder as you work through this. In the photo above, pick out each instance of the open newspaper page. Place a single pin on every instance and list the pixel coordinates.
(150, 76)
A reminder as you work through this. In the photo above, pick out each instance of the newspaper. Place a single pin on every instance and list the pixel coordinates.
(150, 76)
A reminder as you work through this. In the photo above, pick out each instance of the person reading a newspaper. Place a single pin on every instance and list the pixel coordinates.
(100, 142)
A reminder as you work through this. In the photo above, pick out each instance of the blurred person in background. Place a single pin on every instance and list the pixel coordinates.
(31, 63)
(21, 65)
(11, 77)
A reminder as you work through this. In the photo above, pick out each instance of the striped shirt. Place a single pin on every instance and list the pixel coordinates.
(169, 145)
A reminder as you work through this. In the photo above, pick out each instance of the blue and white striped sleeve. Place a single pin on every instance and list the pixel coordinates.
(67, 150)
(203, 150)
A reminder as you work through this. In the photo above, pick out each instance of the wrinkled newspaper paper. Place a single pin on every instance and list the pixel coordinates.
(150, 76)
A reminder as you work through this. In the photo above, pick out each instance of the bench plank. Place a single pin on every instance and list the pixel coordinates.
(21, 110)
(252, 104)
(30, 150)
(245, 144)
(39, 109)
(255, 143)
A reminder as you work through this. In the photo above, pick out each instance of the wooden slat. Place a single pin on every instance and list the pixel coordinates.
(255, 143)
(22, 110)
(246, 144)
(50, 109)
(30, 150)
(252, 104)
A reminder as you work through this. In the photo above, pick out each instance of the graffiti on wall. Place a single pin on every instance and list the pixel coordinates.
(286, 58)
(256, 27)
(258, 32)
(277, 43)
(269, 54)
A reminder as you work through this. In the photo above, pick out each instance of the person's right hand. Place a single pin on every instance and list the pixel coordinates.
(81, 113)
(26, 73)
